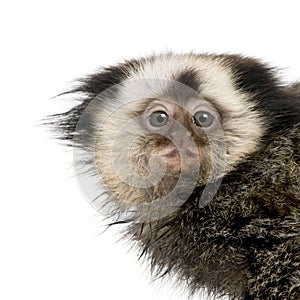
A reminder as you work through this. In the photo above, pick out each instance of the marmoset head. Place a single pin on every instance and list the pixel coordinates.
(156, 128)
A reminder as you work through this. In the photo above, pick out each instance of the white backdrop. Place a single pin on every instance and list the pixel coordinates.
(50, 243)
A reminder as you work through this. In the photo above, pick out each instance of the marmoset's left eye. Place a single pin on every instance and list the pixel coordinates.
(203, 119)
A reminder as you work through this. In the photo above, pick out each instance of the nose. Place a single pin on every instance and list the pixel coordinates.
(183, 141)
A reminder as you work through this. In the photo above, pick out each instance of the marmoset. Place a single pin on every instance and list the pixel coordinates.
(199, 155)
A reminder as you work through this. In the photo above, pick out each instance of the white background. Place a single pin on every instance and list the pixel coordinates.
(50, 243)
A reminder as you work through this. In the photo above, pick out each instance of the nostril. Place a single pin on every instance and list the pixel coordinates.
(174, 133)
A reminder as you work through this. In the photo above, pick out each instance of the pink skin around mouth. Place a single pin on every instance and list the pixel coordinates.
(172, 156)
(172, 149)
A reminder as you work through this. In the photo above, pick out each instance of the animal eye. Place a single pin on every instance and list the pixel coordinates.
(203, 119)
(159, 119)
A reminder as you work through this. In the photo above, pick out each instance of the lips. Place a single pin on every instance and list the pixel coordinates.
(178, 158)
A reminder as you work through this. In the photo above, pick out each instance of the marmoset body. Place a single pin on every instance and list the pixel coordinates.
(200, 156)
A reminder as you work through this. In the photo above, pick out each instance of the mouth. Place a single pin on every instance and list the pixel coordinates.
(171, 150)
(176, 159)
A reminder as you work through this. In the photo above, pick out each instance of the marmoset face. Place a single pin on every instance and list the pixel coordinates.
(157, 144)
(165, 130)
(178, 132)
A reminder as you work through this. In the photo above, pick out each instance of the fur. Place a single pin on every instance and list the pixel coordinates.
(245, 243)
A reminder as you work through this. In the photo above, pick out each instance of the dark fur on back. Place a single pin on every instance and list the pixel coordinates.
(246, 242)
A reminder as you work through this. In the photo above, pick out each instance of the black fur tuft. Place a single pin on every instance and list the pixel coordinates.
(190, 78)
(282, 106)
(88, 88)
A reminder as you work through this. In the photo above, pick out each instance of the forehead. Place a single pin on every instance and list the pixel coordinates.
(183, 77)
(204, 75)
(176, 105)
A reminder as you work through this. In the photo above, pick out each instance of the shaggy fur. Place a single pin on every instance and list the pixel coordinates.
(245, 243)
